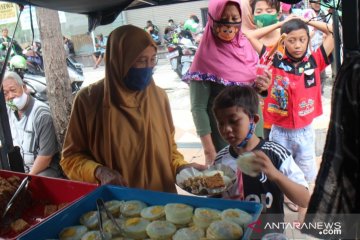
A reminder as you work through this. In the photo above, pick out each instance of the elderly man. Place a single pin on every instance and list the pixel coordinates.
(32, 128)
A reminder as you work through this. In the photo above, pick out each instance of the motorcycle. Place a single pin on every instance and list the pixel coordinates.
(181, 55)
(35, 80)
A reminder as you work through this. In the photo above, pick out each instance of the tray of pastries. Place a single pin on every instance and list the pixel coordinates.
(142, 214)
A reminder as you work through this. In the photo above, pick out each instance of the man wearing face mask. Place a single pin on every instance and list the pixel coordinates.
(121, 130)
(32, 128)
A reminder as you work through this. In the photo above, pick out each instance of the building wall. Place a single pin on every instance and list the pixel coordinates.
(160, 15)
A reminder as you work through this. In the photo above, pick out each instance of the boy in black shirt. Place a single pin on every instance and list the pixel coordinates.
(235, 109)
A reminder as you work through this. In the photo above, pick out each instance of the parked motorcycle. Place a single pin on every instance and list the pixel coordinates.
(181, 57)
(181, 53)
(36, 83)
(35, 65)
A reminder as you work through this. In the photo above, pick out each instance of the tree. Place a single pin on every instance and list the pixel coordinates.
(57, 76)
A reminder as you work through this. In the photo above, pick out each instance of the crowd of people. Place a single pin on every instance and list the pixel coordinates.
(121, 129)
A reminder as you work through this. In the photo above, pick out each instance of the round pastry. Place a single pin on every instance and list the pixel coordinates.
(90, 219)
(135, 228)
(237, 216)
(114, 207)
(203, 217)
(178, 213)
(109, 227)
(132, 208)
(160, 230)
(95, 235)
(224, 230)
(73, 232)
(246, 165)
(191, 233)
(153, 213)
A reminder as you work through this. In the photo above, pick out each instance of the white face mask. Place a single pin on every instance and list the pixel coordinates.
(18, 103)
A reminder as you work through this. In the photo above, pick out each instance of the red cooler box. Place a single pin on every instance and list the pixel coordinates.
(47, 195)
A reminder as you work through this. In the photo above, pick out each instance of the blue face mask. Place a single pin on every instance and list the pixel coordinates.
(138, 79)
(249, 135)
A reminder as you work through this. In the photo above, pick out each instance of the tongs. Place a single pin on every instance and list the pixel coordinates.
(101, 207)
(23, 185)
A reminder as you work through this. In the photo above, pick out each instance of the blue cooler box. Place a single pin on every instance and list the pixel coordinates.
(70, 216)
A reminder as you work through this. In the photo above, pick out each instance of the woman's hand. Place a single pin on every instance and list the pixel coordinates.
(210, 158)
(106, 175)
(262, 82)
(193, 165)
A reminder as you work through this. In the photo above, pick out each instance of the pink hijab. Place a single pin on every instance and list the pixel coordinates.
(228, 63)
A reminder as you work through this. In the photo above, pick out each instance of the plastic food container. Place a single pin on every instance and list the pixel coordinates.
(45, 192)
(70, 216)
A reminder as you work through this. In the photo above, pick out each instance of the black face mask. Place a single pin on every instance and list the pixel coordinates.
(294, 59)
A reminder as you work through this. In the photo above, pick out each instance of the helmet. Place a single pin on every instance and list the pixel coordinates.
(17, 62)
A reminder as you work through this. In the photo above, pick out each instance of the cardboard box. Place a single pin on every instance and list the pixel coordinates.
(47, 192)
(50, 228)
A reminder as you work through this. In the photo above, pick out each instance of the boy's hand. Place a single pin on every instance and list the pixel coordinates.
(266, 165)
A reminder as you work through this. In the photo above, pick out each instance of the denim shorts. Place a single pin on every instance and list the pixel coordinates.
(301, 143)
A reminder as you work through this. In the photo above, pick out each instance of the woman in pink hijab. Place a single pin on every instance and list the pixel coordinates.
(225, 57)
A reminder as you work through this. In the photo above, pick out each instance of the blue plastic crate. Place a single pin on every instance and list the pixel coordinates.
(70, 216)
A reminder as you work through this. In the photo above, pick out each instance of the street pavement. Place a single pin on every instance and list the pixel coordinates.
(186, 138)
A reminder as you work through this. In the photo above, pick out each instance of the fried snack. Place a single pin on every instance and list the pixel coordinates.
(215, 181)
(197, 184)
(19, 225)
(50, 209)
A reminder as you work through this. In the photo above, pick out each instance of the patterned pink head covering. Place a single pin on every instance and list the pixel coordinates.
(228, 63)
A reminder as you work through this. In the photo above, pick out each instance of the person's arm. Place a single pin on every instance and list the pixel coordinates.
(254, 36)
(40, 164)
(46, 137)
(177, 159)
(199, 100)
(76, 161)
(327, 29)
(297, 193)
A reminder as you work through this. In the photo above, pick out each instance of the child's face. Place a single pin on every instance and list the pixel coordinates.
(296, 43)
(233, 124)
(261, 7)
